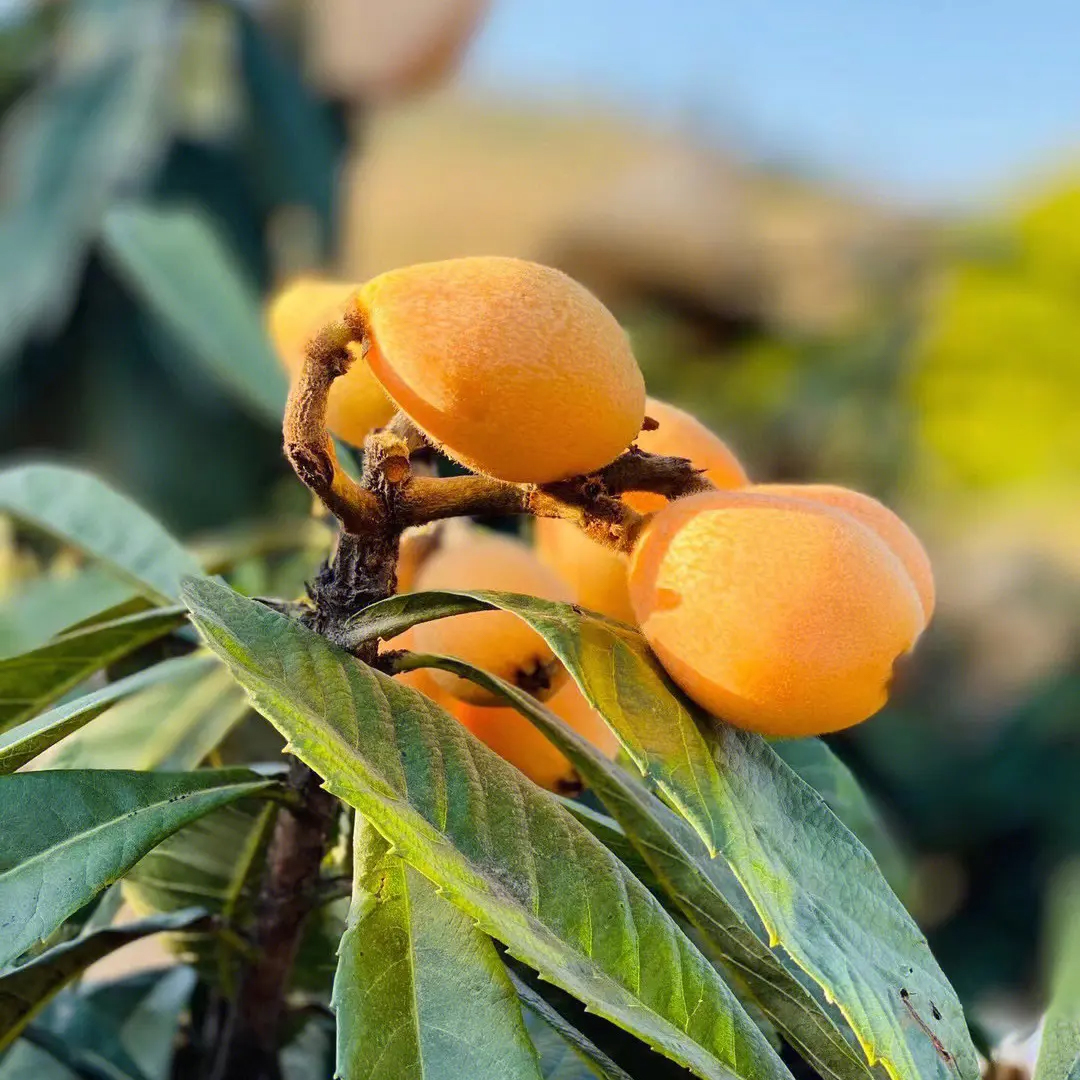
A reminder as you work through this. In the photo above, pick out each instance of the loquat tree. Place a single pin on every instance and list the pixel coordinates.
(420, 892)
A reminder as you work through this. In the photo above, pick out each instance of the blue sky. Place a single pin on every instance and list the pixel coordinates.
(938, 101)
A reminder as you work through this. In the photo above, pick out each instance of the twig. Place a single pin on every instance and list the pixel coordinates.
(373, 513)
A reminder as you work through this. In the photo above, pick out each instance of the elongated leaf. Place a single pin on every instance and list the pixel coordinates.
(32, 680)
(815, 888)
(175, 261)
(25, 990)
(22, 744)
(48, 605)
(171, 725)
(215, 863)
(96, 121)
(703, 888)
(611, 664)
(505, 852)
(68, 834)
(815, 763)
(121, 1030)
(1059, 1053)
(295, 145)
(86, 513)
(612, 835)
(419, 991)
(565, 1054)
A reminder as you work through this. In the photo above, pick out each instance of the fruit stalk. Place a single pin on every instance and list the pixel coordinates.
(373, 512)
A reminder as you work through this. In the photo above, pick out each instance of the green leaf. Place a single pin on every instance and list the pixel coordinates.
(216, 864)
(172, 725)
(419, 991)
(294, 145)
(565, 1054)
(83, 511)
(175, 261)
(32, 680)
(120, 1030)
(503, 851)
(836, 784)
(24, 743)
(1059, 1053)
(612, 665)
(49, 604)
(97, 121)
(25, 990)
(815, 888)
(703, 888)
(69, 834)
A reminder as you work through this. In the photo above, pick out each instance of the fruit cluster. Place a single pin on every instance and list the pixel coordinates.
(781, 608)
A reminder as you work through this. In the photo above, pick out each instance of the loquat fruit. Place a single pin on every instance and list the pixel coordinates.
(512, 368)
(779, 615)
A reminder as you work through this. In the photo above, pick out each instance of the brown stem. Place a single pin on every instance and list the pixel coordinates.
(288, 895)
(373, 513)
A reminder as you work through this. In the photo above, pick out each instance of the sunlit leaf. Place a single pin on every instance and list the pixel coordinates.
(30, 681)
(702, 887)
(612, 666)
(69, 834)
(419, 991)
(503, 851)
(815, 888)
(25, 990)
(84, 512)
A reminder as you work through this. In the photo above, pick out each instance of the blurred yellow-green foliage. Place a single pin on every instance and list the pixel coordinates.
(995, 379)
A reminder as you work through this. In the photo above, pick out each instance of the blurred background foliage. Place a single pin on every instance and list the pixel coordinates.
(930, 359)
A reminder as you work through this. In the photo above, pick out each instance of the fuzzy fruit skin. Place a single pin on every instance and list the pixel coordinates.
(512, 737)
(513, 368)
(779, 615)
(496, 641)
(357, 404)
(879, 519)
(682, 435)
(596, 574)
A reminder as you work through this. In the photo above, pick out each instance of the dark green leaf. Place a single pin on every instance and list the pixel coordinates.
(815, 888)
(565, 1054)
(25, 990)
(81, 510)
(215, 863)
(419, 991)
(120, 1030)
(22, 744)
(503, 851)
(611, 664)
(96, 122)
(49, 604)
(703, 888)
(294, 144)
(834, 782)
(69, 834)
(32, 680)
